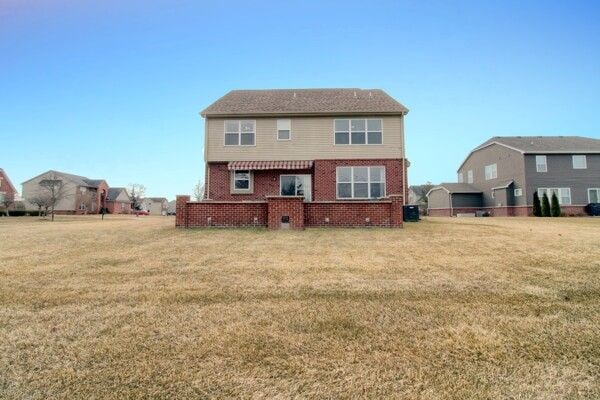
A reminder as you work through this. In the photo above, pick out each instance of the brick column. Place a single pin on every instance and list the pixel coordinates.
(285, 206)
(396, 211)
(181, 219)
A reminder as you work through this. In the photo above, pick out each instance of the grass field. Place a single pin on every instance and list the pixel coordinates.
(446, 308)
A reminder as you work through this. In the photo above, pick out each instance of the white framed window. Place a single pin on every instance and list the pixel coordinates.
(594, 195)
(491, 171)
(240, 132)
(2, 196)
(579, 162)
(518, 192)
(360, 182)
(563, 194)
(241, 181)
(541, 164)
(122, 206)
(460, 177)
(470, 176)
(284, 129)
(358, 131)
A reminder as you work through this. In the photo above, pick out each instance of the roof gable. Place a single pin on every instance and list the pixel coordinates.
(6, 180)
(304, 102)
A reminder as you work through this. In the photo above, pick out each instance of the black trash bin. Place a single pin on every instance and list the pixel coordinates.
(593, 209)
(411, 213)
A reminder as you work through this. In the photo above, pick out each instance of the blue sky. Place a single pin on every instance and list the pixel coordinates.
(112, 89)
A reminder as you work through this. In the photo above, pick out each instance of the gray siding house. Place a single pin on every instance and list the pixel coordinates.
(501, 175)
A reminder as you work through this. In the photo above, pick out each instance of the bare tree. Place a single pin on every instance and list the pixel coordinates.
(54, 190)
(199, 191)
(136, 194)
(42, 201)
(6, 201)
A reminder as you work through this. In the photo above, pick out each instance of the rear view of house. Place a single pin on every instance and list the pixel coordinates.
(155, 205)
(302, 157)
(78, 194)
(501, 175)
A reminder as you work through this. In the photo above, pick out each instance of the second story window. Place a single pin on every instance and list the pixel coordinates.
(579, 162)
(460, 177)
(284, 129)
(491, 171)
(470, 176)
(541, 164)
(240, 132)
(358, 131)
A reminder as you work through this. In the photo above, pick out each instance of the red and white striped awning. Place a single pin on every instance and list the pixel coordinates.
(255, 165)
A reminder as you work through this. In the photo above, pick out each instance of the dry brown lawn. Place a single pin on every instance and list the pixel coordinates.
(446, 308)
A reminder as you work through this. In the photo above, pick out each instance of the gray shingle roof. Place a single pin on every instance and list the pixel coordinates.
(541, 144)
(305, 101)
(458, 187)
(77, 179)
(113, 193)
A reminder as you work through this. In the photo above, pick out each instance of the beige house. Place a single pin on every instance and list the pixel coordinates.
(155, 205)
(78, 194)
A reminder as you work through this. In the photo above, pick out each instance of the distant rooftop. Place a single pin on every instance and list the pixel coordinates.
(305, 102)
(541, 144)
(457, 187)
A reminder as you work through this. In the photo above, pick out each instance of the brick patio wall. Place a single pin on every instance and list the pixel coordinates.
(269, 213)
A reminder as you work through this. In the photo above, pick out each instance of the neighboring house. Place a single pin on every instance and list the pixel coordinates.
(501, 175)
(301, 157)
(8, 192)
(171, 208)
(80, 195)
(417, 195)
(118, 201)
(155, 205)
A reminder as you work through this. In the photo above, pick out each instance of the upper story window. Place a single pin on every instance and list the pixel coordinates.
(541, 164)
(491, 172)
(358, 131)
(518, 192)
(360, 182)
(460, 177)
(579, 162)
(470, 176)
(240, 132)
(284, 129)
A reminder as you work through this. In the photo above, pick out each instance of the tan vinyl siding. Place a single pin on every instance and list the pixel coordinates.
(312, 139)
(32, 188)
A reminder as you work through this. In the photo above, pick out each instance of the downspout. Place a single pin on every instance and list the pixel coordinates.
(451, 209)
(206, 168)
(403, 161)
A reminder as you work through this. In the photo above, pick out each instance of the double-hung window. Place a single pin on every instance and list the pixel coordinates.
(541, 164)
(242, 181)
(518, 192)
(594, 195)
(240, 132)
(470, 176)
(284, 129)
(563, 194)
(579, 162)
(491, 171)
(358, 131)
(360, 182)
